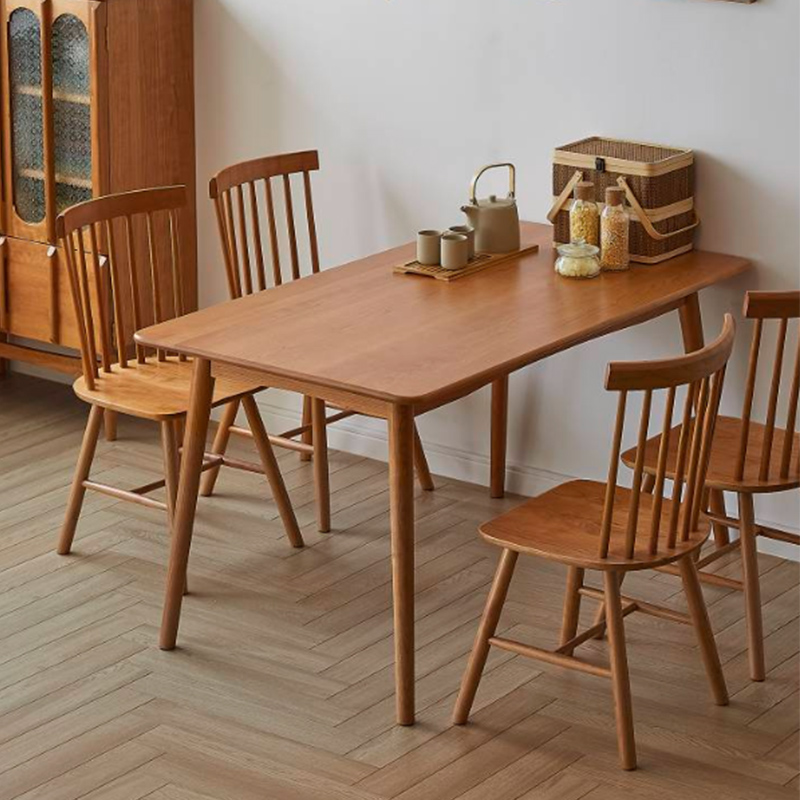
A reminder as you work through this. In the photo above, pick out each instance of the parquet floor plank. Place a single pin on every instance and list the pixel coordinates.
(282, 685)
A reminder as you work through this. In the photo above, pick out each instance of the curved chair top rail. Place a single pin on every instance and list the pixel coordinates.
(772, 305)
(662, 374)
(248, 221)
(124, 204)
(262, 169)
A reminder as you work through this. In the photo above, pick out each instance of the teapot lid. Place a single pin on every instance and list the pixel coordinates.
(493, 201)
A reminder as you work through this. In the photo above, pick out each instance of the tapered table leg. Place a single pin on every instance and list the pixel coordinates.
(691, 324)
(401, 492)
(194, 442)
(499, 436)
(322, 488)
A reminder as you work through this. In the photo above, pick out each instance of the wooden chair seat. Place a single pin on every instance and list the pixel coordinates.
(156, 390)
(564, 525)
(722, 467)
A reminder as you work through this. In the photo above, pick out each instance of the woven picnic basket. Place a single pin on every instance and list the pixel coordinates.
(658, 183)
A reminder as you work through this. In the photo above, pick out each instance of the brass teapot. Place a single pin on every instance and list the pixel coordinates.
(495, 220)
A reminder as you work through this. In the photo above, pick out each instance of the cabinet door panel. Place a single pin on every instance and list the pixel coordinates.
(38, 301)
(55, 112)
(26, 79)
(77, 46)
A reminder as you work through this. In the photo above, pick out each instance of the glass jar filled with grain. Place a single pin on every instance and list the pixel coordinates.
(614, 232)
(578, 260)
(584, 215)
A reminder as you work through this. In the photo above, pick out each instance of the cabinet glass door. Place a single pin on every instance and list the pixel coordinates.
(72, 113)
(27, 115)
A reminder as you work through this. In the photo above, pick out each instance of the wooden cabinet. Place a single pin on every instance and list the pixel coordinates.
(97, 97)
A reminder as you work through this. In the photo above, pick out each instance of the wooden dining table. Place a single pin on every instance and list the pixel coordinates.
(394, 346)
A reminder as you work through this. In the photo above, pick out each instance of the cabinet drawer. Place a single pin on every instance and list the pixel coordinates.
(36, 294)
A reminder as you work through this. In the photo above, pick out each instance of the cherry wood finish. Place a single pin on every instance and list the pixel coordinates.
(141, 65)
(111, 295)
(589, 525)
(751, 457)
(245, 201)
(390, 345)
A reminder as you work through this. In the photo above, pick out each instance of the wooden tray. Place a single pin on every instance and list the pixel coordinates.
(480, 262)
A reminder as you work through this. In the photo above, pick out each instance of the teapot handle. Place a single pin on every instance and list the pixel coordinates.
(512, 181)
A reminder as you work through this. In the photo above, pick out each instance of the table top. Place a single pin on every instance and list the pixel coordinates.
(409, 339)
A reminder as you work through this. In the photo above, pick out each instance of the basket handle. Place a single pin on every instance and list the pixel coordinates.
(645, 220)
(561, 200)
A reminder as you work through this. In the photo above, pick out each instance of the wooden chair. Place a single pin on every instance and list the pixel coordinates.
(750, 458)
(605, 527)
(240, 217)
(117, 290)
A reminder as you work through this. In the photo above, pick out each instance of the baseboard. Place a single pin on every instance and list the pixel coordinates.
(24, 368)
(368, 438)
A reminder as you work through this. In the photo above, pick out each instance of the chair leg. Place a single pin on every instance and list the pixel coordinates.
(702, 627)
(486, 629)
(169, 449)
(619, 671)
(648, 484)
(82, 469)
(219, 446)
(170, 446)
(600, 614)
(110, 424)
(752, 588)
(272, 471)
(421, 464)
(716, 504)
(572, 606)
(307, 436)
(321, 469)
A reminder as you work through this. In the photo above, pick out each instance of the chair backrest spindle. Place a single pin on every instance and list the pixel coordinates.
(109, 306)
(239, 218)
(701, 373)
(661, 471)
(769, 463)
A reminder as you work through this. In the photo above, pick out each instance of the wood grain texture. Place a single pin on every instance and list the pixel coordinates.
(141, 66)
(722, 467)
(285, 689)
(542, 312)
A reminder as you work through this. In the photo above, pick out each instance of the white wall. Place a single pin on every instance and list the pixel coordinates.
(406, 98)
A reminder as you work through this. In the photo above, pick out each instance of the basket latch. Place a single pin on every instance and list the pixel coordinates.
(600, 164)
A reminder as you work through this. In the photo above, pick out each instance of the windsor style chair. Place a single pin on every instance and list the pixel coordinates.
(588, 525)
(750, 458)
(235, 192)
(115, 291)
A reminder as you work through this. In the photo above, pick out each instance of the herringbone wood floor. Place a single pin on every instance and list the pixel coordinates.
(282, 686)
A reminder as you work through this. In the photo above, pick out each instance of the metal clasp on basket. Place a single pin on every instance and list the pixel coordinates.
(600, 164)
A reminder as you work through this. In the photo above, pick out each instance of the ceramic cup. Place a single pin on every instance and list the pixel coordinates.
(469, 232)
(455, 251)
(429, 248)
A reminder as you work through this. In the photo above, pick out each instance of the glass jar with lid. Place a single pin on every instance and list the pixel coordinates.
(578, 260)
(615, 232)
(584, 215)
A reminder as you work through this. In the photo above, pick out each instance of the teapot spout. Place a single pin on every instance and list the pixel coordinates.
(471, 211)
